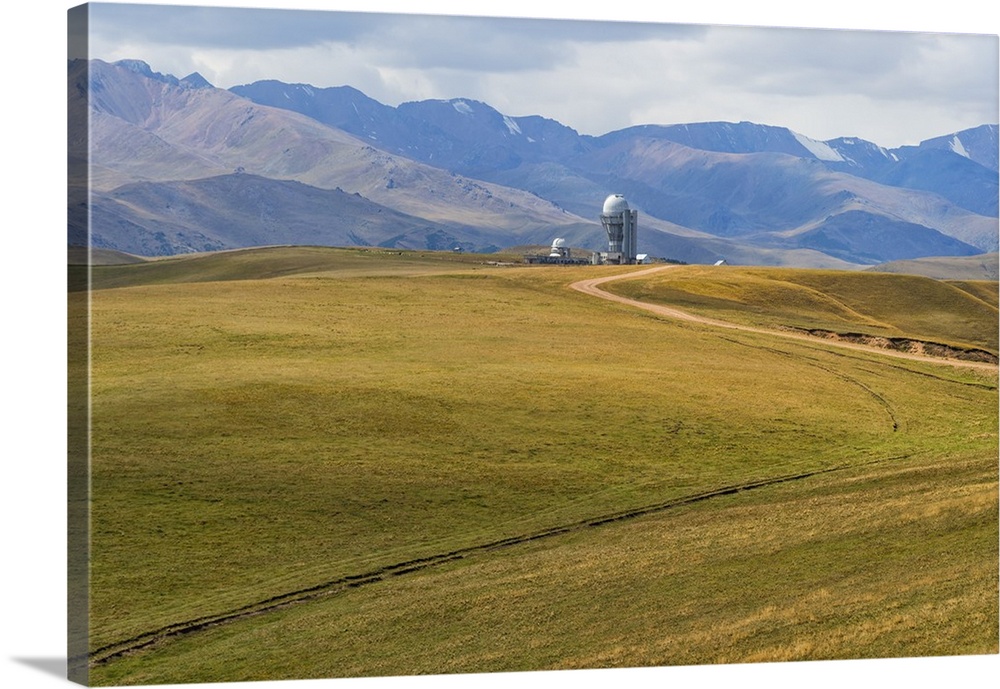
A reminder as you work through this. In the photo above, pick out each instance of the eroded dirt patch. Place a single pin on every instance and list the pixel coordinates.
(904, 344)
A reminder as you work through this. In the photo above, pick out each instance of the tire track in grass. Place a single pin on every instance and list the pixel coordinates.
(146, 640)
(809, 361)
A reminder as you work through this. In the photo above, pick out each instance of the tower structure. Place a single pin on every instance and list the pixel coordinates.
(621, 224)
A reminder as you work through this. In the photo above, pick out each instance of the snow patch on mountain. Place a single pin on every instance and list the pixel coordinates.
(511, 125)
(462, 107)
(957, 147)
(819, 149)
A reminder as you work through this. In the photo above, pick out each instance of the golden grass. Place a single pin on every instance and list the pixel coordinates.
(261, 436)
(963, 314)
(820, 569)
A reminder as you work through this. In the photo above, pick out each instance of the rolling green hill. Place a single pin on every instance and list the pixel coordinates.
(982, 267)
(963, 314)
(284, 261)
(325, 463)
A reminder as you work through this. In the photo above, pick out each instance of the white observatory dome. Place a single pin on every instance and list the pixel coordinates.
(558, 242)
(615, 204)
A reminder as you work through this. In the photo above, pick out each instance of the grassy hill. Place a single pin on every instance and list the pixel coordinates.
(285, 261)
(963, 314)
(81, 256)
(982, 267)
(434, 465)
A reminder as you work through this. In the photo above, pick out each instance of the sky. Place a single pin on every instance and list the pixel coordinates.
(592, 72)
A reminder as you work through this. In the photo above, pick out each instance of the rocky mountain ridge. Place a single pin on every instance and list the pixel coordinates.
(458, 172)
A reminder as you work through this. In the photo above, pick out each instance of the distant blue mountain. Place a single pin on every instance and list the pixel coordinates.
(474, 138)
(978, 144)
(174, 158)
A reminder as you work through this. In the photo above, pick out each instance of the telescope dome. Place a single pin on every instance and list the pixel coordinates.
(615, 204)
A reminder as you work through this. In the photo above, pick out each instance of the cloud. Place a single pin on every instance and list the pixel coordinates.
(425, 41)
(877, 64)
(225, 27)
(593, 76)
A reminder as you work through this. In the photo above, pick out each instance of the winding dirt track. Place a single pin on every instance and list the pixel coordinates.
(591, 286)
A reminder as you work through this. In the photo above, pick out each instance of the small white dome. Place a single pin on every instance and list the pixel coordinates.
(615, 204)
(558, 242)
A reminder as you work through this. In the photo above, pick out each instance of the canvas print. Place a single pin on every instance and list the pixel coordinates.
(412, 344)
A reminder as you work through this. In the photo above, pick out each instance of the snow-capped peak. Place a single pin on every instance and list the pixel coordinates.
(957, 147)
(819, 149)
(462, 107)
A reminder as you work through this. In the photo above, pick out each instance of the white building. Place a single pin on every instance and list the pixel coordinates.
(621, 223)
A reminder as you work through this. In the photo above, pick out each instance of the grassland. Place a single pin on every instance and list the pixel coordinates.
(982, 267)
(960, 313)
(526, 459)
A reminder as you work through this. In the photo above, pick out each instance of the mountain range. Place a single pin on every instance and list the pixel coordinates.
(177, 165)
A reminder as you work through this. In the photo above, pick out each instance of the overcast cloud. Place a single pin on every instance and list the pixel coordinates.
(890, 87)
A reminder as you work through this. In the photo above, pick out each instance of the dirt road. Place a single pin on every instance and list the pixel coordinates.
(591, 286)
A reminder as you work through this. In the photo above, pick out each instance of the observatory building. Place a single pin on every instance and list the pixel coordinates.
(559, 248)
(560, 253)
(621, 224)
